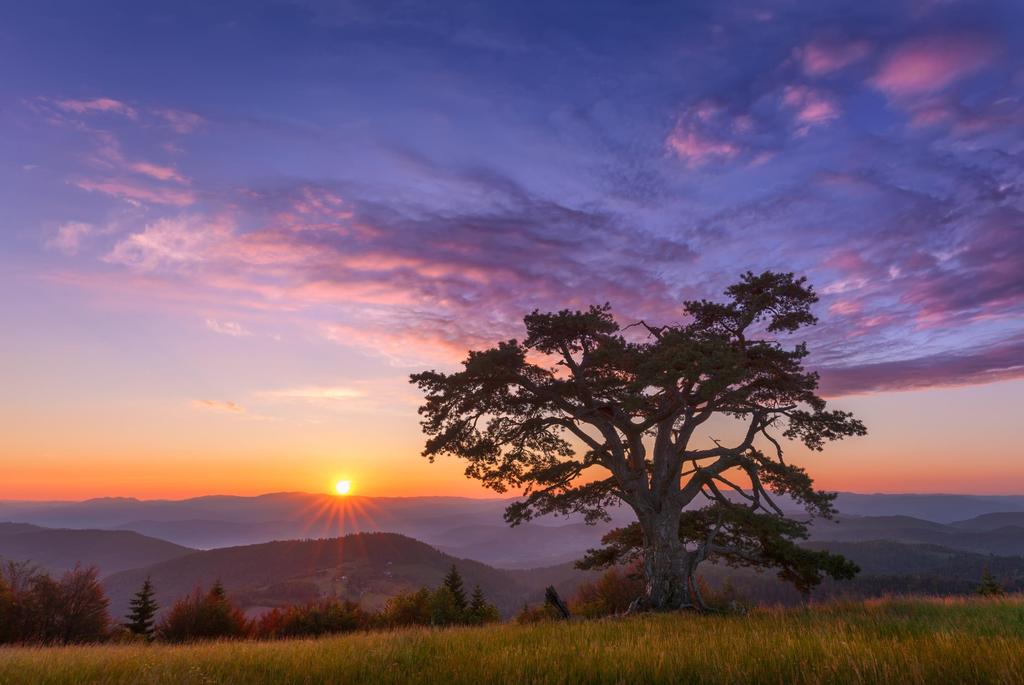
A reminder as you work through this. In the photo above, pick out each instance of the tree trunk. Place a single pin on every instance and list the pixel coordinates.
(666, 563)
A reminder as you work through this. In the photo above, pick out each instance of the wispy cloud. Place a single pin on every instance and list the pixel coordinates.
(811, 107)
(218, 406)
(231, 328)
(102, 104)
(133, 191)
(180, 121)
(925, 65)
(969, 367)
(827, 56)
(69, 236)
(157, 171)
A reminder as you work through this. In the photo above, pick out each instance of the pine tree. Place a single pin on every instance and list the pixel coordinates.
(480, 610)
(143, 611)
(453, 581)
(989, 586)
(443, 610)
(217, 592)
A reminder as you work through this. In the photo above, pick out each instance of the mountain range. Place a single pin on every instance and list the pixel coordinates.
(289, 547)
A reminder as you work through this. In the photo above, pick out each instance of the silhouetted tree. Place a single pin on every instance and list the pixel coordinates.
(481, 611)
(989, 586)
(633, 403)
(143, 611)
(453, 581)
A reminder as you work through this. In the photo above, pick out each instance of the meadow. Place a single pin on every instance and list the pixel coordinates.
(881, 641)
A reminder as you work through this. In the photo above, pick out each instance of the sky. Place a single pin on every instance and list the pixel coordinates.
(229, 231)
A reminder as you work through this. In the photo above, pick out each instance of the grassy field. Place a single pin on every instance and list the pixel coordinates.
(889, 641)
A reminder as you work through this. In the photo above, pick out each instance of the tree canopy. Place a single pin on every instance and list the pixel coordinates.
(585, 413)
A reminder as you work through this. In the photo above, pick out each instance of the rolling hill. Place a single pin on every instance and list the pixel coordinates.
(986, 534)
(367, 567)
(56, 550)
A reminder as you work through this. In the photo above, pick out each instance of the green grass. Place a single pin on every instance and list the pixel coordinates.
(890, 641)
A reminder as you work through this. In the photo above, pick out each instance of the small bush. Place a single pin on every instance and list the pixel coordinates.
(309, 620)
(202, 616)
(611, 594)
(408, 609)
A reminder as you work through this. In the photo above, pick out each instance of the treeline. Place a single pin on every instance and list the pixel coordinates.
(38, 609)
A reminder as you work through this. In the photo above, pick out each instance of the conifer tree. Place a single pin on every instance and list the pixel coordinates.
(443, 609)
(143, 611)
(453, 581)
(989, 586)
(480, 610)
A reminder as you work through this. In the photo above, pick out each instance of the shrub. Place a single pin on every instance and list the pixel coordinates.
(316, 618)
(202, 616)
(408, 609)
(537, 614)
(612, 593)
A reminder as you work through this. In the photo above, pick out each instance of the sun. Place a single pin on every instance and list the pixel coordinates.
(343, 487)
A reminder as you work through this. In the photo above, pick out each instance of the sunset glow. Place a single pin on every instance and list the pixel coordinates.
(218, 273)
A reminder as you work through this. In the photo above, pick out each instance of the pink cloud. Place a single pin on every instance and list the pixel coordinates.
(69, 236)
(232, 328)
(696, 149)
(812, 107)
(174, 241)
(134, 192)
(97, 105)
(930, 64)
(220, 406)
(822, 57)
(161, 173)
(985, 365)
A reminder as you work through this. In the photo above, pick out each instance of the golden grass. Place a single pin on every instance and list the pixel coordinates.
(883, 641)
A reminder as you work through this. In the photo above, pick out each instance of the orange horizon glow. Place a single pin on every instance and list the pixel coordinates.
(909, 449)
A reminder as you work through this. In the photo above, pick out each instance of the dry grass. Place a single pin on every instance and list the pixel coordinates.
(888, 641)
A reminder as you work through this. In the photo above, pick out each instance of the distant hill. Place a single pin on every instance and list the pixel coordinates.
(57, 550)
(939, 508)
(887, 568)
(367, 567)
(992, 521)
(465, 527)
(987, 534)
(7, 528)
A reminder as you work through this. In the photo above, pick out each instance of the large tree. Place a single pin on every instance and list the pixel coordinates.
(584, 414)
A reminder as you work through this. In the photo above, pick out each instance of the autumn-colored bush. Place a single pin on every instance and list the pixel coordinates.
(316, 618)
(612, 593)
(203, 616)
(35, 608)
